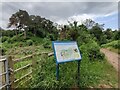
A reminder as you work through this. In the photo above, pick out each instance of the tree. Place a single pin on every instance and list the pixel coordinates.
(89, 23)
(117, 35)
(108, 32)
(97, 32)
(35, 22)
(73, 32)
(13, 21)
(20, 20)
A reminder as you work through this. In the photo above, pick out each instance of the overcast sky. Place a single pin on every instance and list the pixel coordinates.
(61, 12)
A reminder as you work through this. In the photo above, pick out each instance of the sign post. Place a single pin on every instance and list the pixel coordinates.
(57, 71)
(66, 51)
(78, 72)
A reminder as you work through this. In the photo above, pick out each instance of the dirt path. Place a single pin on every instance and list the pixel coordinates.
(111, 57)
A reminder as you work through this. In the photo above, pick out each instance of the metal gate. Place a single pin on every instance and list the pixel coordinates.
(4, 73)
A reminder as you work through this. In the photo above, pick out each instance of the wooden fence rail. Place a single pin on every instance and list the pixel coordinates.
(24, 67)
(4, 72)
(10, 71)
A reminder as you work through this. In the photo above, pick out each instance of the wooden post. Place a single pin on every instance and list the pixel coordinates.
(33, 62)
(3, 70)
(7, 75)
(11, 69)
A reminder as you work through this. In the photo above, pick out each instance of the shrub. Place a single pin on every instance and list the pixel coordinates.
(92, 50)
(2, 50)
(84, 38)
(51, 37)
(47, 43)
(9, 40)
(115, 44)
(20, 44)
(29, 42)
(4, 38)
(37, 40)
(14, 39)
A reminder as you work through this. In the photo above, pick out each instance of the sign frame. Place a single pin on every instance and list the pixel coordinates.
(57, 63)
(65, 60)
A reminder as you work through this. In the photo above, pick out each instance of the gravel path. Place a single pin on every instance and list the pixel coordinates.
(111, 57)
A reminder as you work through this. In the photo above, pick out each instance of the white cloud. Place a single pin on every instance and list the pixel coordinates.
(110, 14)
(78, 18)
(59, 12)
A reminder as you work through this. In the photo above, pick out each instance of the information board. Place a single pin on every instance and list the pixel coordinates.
(66, 51)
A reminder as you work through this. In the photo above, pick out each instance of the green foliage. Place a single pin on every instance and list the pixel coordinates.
(41, 32)
(4, 38)
(117, 35)
(29, 42)
(72, 34)
(51, 36)
(97, 32)
(8, 33)
(47, 43)
(17, 38)
(92, 50)
(108, 33)
(14, 39)
(2, 50)
(91, 74)
(37, 40)
(115, 44)
(84, 38)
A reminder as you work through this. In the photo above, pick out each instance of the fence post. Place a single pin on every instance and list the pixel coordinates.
(34, 62)
(3, 70)
(11, 69)
(7, 74)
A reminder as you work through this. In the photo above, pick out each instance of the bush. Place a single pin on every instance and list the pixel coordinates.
(4, 38)
(84, 38)
(115, 44)
(29, 42)
(14, 39)
(17, 39)
(92, 50)
(9, 40)
(51, 36)
(47, 43)
(37, 40)
(2, 50)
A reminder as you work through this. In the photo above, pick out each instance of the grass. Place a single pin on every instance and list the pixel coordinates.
(113, 46)
(114, 50)
(18, 52)
(92, 74)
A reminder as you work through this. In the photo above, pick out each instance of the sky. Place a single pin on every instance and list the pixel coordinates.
(62, 12)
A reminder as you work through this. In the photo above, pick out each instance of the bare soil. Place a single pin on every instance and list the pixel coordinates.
(112, 57)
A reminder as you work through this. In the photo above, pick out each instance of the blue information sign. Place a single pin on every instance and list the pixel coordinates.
(65, 51)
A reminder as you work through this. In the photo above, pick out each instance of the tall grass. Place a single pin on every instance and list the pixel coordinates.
(113, 46)
(92, 74)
